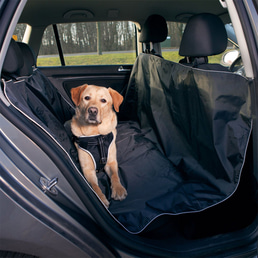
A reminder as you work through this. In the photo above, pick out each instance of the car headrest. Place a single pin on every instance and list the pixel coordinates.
(13, 60)
(154, 29)
(204, 35)
(28, 53)
(29, 59)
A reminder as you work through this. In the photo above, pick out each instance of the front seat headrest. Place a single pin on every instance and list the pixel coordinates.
(154, 29)
(204, 35)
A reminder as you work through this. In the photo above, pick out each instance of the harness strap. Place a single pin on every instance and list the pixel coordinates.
(103, 156)
(97, 147)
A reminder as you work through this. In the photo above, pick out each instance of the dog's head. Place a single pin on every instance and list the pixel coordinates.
(94, 103)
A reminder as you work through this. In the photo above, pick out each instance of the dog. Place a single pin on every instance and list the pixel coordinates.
(94, 127)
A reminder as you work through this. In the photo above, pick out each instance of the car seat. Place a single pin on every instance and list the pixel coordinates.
(205, 35)
(153, 32)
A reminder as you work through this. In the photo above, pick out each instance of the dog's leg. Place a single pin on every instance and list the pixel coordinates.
(111, 168)
(93, 181)
(118, 191)
(90, 174)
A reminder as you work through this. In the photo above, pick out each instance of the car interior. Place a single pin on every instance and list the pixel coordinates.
(184, 139)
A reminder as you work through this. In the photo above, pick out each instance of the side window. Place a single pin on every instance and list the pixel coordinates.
(19, 31)
(89, 43)
(48, 53)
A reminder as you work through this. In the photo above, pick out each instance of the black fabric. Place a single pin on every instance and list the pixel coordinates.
(45, 91)
(207, 114)
(198, 124)
(212, 67)
(202, 63)
(41, 102)
(154, 29)
(34, 95)
(204, 35)
(97, 146)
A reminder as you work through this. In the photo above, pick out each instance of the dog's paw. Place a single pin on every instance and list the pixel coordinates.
(118, 192)
(104, 200)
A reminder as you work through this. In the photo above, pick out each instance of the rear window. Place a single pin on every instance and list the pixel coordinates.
(89, 43)
(101, 43)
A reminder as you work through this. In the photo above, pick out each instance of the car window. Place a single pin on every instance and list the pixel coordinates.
(19, 31)
(89, 43)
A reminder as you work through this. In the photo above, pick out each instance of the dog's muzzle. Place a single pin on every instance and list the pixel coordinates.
(93, 115)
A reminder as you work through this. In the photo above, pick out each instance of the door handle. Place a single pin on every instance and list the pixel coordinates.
(122, 69)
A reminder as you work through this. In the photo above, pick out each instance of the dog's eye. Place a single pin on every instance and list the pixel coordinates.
(87, 98)
(103, 100)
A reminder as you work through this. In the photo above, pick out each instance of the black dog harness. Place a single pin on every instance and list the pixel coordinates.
(97, 147)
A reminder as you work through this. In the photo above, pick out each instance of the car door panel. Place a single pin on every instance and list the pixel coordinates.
(65, 78)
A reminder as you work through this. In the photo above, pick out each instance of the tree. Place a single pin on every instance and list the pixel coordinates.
(98, 37)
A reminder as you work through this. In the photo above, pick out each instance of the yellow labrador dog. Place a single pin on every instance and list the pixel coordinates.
(94, 126)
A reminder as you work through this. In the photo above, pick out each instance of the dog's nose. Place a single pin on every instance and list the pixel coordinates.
(93, 111)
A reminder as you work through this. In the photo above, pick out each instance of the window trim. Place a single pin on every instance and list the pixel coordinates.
(59, 47)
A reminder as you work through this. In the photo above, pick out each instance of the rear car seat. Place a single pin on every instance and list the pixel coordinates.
(205, 35)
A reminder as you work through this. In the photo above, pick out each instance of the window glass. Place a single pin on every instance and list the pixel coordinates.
(19, 31)
(91, 43)
(48, 53)
(171, 45)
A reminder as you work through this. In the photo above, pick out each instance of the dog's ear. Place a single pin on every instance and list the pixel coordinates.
(77, 92)
(117, 98)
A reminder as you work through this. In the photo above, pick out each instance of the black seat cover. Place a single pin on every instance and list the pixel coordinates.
(200, 122)
(188, 152)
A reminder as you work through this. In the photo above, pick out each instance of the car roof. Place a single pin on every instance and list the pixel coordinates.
(44, 12)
